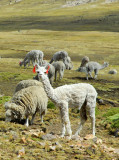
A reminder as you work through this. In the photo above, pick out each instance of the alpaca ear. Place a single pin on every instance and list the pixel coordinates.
(34, 69)
(47, 69)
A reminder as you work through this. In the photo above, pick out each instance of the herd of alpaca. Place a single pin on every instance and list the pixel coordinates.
(32, 95)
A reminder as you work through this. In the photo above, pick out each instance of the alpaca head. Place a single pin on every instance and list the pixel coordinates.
(41, 70)
(106, 64)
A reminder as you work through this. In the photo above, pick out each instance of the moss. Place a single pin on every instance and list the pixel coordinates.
(4, 99)
(51, 105)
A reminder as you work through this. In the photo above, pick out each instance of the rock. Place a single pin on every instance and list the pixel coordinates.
(48, 137)
(113, 71)
(89, 136)
(75, 137)
(23, 140)
(52, 148)
(21, 152)
(99, 141)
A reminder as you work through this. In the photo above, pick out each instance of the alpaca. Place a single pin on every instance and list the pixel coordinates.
(60, 55)
(34, 56)
(81, 95)
(92, 66)
(68, 63)
(85, 60)
(59, 67)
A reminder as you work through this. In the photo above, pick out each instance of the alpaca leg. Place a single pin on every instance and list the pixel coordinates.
(61, 74)
(55, 76)
(65, 120)
(90, 74)
(90, 107)
(92, 117)
(27, 121)
(96, 73)
(83, 118)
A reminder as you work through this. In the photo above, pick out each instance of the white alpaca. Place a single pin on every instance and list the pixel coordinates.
(81, 95)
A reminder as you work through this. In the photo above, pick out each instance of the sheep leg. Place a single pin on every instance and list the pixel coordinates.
(41, 118)
(27, 122)
(32, 120)
(65, 120)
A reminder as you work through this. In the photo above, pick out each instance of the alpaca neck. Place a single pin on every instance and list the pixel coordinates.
(102, 66)
(47, 87)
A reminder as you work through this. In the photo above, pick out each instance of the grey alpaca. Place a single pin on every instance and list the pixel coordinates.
(68, 63)
(60, 55)
(92, 66)
(81, 96)
(35, 56)
(59, 67)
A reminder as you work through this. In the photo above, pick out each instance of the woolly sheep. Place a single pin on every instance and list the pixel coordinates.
(27, 102)
(34, 56)
(60, 55)
(59, 67)
(92, 66)
(81, 95)
(27, 83)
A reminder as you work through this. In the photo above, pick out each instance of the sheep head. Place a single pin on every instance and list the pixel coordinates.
(13, 111)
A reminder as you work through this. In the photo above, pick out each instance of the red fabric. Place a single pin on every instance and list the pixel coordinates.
(47, 69)
(34, 69)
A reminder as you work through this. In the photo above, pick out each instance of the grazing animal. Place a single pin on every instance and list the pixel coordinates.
(60, 55)
(36, 56)
(27, 83)
(27, 102)
(81, 95)
(85, 60)
(59, 67)
(92, 66)
(68, 63)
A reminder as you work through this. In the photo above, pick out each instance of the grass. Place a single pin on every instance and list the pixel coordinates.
(88, 30)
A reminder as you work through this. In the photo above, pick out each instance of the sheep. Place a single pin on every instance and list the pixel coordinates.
(34, 56)
(60, 55)
(51, 73)
(26, 102)
(92, 66)
(59, 67)
(81, 95)
(27, 83)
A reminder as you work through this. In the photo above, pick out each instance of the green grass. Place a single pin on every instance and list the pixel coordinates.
(88, 30)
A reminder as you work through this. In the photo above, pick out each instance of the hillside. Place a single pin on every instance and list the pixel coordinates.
(82, 28)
